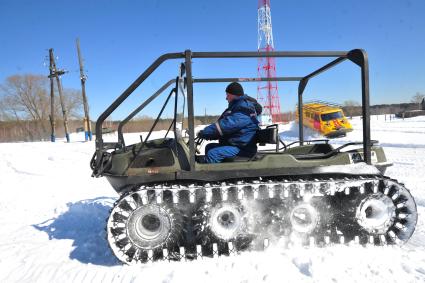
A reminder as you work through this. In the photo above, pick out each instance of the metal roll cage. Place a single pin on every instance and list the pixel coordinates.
(357, 56)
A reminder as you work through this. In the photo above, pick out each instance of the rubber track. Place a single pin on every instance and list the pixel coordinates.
(337, 197)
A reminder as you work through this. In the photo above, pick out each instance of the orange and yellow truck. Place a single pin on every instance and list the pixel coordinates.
(325, 118)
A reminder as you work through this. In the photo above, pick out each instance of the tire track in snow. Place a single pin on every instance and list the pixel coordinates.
(10, 165)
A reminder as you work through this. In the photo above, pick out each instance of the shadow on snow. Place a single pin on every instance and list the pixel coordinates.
(84, 223)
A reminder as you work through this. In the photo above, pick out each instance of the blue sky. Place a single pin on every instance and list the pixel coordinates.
(119, 39)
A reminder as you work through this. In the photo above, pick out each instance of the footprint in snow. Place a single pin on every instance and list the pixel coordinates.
(303, 266)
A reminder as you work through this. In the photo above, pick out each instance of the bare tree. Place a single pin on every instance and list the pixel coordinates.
(25, 99)
(418, 97)
(351, 108)
(73, 103)
(350, 103)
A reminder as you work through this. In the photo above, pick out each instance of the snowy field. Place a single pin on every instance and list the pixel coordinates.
(52, 219)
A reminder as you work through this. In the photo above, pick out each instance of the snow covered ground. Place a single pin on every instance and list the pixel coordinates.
(52, 218)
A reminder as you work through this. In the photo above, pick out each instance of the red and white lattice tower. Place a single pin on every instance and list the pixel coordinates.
(267, 92)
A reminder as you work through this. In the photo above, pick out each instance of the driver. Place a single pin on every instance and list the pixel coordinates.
(235, 129)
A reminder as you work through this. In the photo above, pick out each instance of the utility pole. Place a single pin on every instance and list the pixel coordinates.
(57, 74)
(52, 100)
(87, 123)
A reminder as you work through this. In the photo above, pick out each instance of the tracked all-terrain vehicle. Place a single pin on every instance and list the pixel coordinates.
(307, 192)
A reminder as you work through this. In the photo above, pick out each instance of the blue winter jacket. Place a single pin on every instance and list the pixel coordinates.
(237, 126)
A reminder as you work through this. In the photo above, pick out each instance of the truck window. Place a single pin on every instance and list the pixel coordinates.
(332, 116)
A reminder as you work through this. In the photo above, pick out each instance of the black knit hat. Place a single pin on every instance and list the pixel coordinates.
(235, 89)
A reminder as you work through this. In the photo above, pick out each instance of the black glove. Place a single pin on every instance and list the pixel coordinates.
(200, 134)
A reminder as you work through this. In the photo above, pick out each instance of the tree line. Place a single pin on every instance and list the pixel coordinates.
(353, 108)
(25, 111)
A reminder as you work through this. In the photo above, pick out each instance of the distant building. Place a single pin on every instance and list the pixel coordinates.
(413, 113)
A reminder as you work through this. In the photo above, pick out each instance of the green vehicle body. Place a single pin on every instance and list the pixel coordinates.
(160, 162)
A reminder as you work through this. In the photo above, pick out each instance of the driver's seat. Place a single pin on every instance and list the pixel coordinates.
(269, 135)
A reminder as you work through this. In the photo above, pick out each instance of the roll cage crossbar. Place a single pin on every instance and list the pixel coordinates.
(357, 56)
